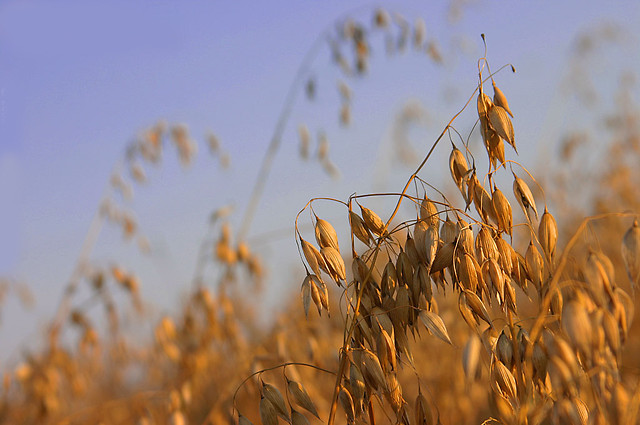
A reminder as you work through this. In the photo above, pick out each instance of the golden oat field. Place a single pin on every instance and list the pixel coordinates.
(502, 292)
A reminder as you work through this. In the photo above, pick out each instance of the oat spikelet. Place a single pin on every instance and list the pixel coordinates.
(524, 196)
(313, 257)
(502, 207)
(359, 228)
(471, 357)
(268, 413)
(335, 263)
(301, 397)
(429, 212)
(459, 170)
(631, 254)
(373, 222)
(500, 99)
(435, 325)
(501, 123)
(326, 234)
(305, 291)
(273, 394)
(577, 325)
(504, 380)
(548, 234)
(346, 401)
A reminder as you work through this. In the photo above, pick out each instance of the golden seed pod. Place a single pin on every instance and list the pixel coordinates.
(326, 234)
(423, 413)
(373, 222)
(435, 325)
(357, 387)
(504, 350)
(501, 123)
(448, 231)
(422, 283)
(412, 251)
(346, 401)
(403, 306)
(443, 259)
(535, 265)
(502, 207)
(465, 271)
(477, 306)
(611, 332)
(359, 229)
(394, 393)
(484, 103)
(500, 99)
(548, 234)
(631, 254)
(459, 170)
(429, 212)
(504, 380)
(404, 269)
(273, 394)
(305, 292)
(524, 196)
(482, 201)
(486, 247)
(268, 413)
(465, 240)
(371, 370)
(540, 360)
(301, 397)
(389, 278)
(313, 257)
(335, 263)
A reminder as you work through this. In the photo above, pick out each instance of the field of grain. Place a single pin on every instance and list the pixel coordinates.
(505, 295)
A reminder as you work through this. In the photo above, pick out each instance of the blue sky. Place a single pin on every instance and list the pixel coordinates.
(78, 80)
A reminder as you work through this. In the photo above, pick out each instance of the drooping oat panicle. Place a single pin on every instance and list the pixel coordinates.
(373, 222)
(502, 207)
(524, 196)
(301, 397)
(326, 235)
(500, 99)
(548, 234)
(359, 228)
(477, 306)
(631, 254)
(501, 123)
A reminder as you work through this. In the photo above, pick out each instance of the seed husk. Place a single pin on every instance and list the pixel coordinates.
(524, 196)
(273, 394)
(435, 325)
(301, 397)
(500, 99)
(548, 234)
(631, 254)
(359, 229)
(326, 235)
(501, 123)
(373, 222)
(335, 263)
